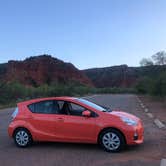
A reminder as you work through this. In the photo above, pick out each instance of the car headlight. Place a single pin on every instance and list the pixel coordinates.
(129, 121)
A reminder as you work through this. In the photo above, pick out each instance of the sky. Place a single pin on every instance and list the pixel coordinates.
(87, 33)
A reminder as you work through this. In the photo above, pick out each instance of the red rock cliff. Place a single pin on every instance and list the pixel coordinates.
(43, 69)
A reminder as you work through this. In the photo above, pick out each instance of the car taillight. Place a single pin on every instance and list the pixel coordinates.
(14, 114)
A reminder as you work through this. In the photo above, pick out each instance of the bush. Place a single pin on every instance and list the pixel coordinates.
(14, 91)
(159, 88)
(156, 87)
(145, 85)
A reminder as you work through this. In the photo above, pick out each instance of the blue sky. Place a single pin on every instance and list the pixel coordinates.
(88, 33)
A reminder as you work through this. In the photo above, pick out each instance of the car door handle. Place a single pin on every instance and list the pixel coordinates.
(30, 117)
(60, 119)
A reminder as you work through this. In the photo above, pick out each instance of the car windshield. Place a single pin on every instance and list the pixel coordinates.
(93, 105)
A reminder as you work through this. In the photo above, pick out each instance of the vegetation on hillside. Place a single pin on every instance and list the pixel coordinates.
(15, 92)
(153, 86)
(148, 79)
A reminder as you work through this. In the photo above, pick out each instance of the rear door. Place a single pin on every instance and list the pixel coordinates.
(43, 119)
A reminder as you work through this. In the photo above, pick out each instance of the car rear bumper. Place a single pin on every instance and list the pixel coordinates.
(10, 130)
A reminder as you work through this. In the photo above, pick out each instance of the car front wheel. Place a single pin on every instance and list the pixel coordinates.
(22, 137)
(112, 140)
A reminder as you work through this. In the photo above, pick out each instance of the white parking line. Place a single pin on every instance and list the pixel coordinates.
(142, 106)
(159, 123)
(163, 162)
(150, 115)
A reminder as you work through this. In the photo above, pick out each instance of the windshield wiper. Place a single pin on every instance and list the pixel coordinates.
(107, 109)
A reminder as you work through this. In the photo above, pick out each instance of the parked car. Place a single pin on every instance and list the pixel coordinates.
(69, 119)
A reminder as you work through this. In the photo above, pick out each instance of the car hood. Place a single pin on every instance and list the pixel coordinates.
(124, 114)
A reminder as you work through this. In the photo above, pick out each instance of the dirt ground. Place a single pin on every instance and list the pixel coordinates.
(149, 153)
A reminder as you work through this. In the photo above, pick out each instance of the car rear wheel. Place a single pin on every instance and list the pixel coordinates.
(22, 137)
(112, 140)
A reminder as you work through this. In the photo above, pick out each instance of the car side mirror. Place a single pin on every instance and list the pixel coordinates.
(86, 113)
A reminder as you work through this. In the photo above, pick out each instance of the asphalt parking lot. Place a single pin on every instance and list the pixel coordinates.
(60, 154)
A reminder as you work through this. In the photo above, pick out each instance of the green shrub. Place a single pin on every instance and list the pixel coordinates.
(145, 85)
(156, 87)
(159, 88)
(16, 92)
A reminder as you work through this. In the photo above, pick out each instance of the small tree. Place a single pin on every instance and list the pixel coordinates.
(146, 62)
(159, 58)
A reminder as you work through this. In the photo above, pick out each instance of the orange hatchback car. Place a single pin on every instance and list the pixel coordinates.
(69, 119)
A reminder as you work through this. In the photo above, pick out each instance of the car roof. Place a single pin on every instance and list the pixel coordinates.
(66, 98)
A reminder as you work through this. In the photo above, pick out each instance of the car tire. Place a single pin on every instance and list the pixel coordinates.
(111, 140)
(22, 137)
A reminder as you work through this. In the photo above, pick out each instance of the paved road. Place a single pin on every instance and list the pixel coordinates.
(61, 154)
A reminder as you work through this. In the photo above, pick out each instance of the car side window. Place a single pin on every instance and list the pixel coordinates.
(60, 103)
(44, 107)
(76, 109)
(68, 108)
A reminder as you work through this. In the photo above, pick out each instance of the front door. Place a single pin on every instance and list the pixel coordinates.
(72, 126)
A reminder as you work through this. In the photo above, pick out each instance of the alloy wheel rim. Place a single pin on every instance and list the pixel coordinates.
(22, 138)
(111, 141)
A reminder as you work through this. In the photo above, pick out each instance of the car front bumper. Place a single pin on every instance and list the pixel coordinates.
(135, 135)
